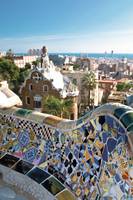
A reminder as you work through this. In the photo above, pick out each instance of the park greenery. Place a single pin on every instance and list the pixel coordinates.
(8, 70)
(59, 107)
(11, 73)
(76, 66)
(89, 82)
(124, 87)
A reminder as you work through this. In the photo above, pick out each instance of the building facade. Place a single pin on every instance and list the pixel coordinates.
(2, 54)
(77, 78)
(20, 61)
(44, 81)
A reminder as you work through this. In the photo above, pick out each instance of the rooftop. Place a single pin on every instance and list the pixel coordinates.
(59, 81)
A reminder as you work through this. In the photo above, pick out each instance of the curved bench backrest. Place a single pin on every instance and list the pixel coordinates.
(91, 156)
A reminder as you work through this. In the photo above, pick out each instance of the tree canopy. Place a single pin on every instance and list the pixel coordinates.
(124, 87)
(89, 82)
(36, 62)
(10, 54)
(76, 66)
(8, 70)
(27, 66)
(23, 74)
(59, 107)
(12, 74)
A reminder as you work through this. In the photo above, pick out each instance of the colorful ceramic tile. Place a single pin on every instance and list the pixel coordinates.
(94, 153)
(23, 138)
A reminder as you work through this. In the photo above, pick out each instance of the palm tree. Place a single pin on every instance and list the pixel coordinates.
(59, 107)
(51, 105)
(10, 54)
(89, 82)
(36, 63)
(65, 105)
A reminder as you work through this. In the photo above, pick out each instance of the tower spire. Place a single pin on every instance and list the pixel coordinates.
(44, 58)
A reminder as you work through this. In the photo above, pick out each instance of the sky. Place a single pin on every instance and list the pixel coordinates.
(67, 25)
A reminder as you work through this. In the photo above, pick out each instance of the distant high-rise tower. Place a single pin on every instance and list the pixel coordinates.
(112, 52)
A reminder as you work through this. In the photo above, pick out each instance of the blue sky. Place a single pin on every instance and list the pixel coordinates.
(67, 25)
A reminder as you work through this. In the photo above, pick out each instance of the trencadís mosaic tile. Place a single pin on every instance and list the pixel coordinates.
(93, 161)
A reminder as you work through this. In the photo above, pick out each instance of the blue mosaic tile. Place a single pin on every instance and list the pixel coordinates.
(97, 162)
(43, 158)
(121, 130)
(24, 138)
(67, 150)
(86, 152)
(105, 136)
(117, 178)
(30, 155)
(109, 120)
(105, 154)
(111, 144)
(122, 188)
(76, 153)
(119, 150)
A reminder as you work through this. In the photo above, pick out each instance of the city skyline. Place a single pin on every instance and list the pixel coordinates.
(67, 26)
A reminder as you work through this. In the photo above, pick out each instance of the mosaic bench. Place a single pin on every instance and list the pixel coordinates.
(90, 158)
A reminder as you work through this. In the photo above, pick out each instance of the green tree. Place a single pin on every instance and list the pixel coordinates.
(11, 73)
(10, 54)
(8, 70)
(123, 87)
(27, 66)
(23, 74)
(66, 105)
(89, 82)
(59, 107)
(36, 62)
(76, 66)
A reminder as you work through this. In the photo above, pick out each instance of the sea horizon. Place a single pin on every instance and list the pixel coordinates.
(89, 55)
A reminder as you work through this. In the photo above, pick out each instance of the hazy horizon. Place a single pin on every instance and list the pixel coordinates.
(107, 53)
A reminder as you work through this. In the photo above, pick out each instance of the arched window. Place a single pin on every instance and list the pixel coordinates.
(30, 87)
(37, 77)
(28, 100)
